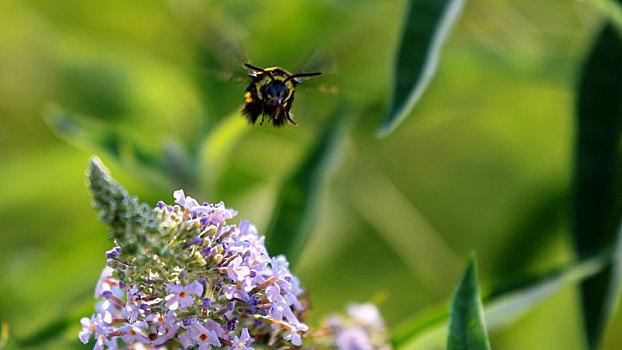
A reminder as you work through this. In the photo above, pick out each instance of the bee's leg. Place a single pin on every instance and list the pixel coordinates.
(288, 106)
(261, 123)
(290, 119)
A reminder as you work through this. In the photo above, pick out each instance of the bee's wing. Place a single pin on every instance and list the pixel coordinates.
(222, 61)
(220, 76)
(323, 84)
(316, 61)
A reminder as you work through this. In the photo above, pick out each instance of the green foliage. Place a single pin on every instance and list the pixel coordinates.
(597, 210)
(502, 307)
(427, 25)
(467, 329)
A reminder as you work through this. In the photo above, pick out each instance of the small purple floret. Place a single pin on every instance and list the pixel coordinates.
(113, 253)
(232, 324)
(206, 303)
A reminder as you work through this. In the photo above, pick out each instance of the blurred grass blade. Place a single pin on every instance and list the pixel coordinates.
(597, 203)
(421, 247)
(427, 25)
(502, 308)
(295, 211)
(467, 329)
(216, 147)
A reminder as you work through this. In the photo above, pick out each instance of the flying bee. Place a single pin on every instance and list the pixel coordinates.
(271, 93)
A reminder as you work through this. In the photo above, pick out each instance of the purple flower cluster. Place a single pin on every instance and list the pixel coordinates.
(191, 281)
(362, 329)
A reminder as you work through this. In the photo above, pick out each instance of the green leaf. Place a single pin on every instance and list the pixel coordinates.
(597, 206)
(84, 135)
(427, 25)
(96, 136)
(539, 224)
(507, 304)
(501, 308)
(296, 207)
(612, 9)
(467, 329)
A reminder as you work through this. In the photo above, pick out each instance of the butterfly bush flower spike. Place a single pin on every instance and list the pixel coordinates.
(182, 276)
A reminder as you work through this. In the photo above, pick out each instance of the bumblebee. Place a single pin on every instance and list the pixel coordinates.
(271, 93)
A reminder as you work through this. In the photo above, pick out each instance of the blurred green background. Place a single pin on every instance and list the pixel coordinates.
(483, 164)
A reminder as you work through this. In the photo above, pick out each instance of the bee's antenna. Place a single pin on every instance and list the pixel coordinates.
(248, 65)
(301, 75)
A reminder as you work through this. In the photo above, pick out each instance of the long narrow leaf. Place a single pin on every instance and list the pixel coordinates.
(297, 204)
(77, 133)
(612, 9)
(598, 175)
(500, 309)
(427, 25)
(94, 136)
(467, 329)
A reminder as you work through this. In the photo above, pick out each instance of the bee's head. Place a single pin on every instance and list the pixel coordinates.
(277, 92)
(281, 84)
